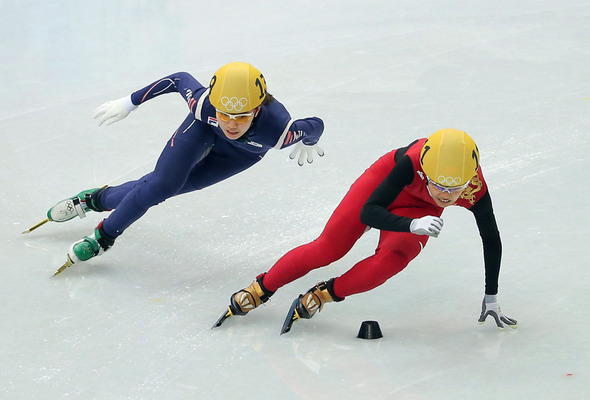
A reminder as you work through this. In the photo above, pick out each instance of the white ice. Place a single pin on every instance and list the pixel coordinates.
(136, 322)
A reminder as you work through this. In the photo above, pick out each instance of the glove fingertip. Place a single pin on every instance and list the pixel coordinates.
(509, 321)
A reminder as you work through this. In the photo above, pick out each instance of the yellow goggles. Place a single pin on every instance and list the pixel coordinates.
(239, 118)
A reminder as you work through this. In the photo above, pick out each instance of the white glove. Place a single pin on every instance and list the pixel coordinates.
(428, 225)
(113, 111)
(490, 306)
(305, 151)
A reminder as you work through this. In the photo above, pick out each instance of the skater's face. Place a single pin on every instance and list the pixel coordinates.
(444, 198)
(235, 125)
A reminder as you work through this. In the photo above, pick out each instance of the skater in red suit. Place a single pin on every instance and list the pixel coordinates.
(403, 194)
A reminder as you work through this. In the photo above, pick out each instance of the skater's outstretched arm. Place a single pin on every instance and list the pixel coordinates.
(180, 82)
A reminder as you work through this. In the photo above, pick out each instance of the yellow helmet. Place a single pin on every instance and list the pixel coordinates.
(449, 157)
(236, 88)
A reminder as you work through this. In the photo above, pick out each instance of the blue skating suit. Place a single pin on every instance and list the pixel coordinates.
(198, 154)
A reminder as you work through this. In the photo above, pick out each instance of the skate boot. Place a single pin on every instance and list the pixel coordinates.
(76, 206)
(306, 305)
(88, 247)
(246, 300)
(72, 207)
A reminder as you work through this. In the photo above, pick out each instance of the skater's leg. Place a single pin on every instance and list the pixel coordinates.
(183, 151)
(112, 196)
(342, 231)
(394, 252)
(334, 242)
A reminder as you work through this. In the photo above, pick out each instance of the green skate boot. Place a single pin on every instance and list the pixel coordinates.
(245, 300)
(306, 305)
(87, 248)
(72, 207)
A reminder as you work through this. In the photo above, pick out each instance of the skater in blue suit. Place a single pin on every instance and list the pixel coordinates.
(231, 125)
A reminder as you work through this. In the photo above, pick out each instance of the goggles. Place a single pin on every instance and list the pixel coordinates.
(443, 189)
(239, 118)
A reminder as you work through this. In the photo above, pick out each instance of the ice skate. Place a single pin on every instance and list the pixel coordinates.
(88, 247)
(245, 300)
(306, 305)
(75, 206)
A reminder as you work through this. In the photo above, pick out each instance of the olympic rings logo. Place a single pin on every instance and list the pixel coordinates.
(234, 104)
(448, 181)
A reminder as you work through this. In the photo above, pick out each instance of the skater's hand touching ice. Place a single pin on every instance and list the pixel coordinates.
(491, 307)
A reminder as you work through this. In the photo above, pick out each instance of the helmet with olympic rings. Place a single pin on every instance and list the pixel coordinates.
(236, 88)
(450, 157)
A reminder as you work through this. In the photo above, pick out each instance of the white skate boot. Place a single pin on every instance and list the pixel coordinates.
(76, 206)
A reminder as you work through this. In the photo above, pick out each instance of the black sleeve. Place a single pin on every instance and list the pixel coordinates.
(492, 244)
(374, 213)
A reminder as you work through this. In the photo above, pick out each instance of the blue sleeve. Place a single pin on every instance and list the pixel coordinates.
(275, 127)
(307, 130)
(180, 82)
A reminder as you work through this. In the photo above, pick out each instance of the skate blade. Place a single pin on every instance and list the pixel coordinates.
(223, 317)
(38, 224)
(67, 264)
(292, 316)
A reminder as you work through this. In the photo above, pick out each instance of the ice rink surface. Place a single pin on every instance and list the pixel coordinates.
(136, 322)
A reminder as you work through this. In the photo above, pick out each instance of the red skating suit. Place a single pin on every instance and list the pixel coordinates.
(390, 194)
